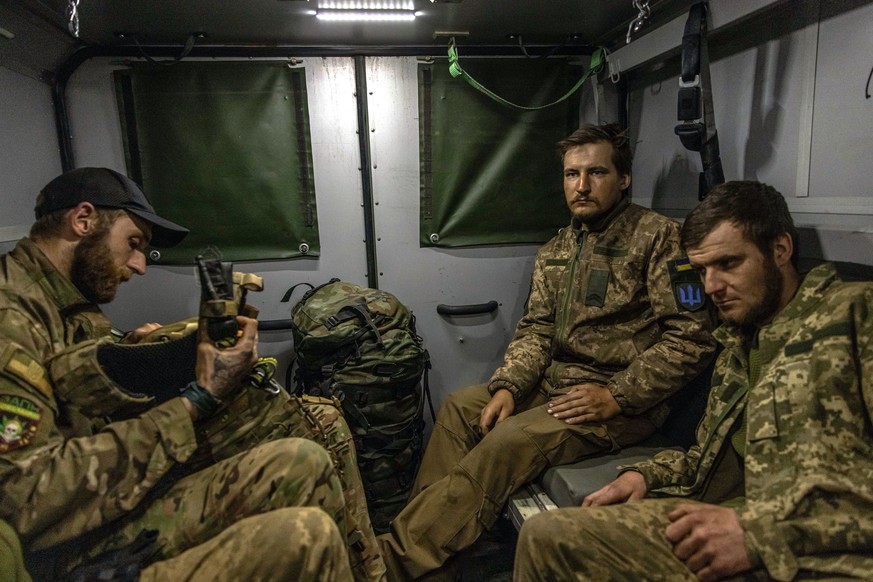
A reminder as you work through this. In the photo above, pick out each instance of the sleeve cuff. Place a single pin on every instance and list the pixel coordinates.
(503, 385)
(176, 428)
(768, 548)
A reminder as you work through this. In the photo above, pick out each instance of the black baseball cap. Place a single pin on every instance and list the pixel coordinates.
(107, 188)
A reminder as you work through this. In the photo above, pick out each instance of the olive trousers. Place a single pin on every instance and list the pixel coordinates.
(11, 559)
(465, 479)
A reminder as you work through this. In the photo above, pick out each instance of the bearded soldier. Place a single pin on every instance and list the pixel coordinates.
(779, 485)
(212, 483)
(604, 342)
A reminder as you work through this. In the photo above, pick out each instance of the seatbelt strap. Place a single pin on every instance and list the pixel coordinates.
(595, 66)
(694, 108)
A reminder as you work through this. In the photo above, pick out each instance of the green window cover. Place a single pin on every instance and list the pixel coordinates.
(491, 174)
(223, 149)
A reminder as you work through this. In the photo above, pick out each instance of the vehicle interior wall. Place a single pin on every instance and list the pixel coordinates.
(28, 150)
(463, 350)
(791, 110)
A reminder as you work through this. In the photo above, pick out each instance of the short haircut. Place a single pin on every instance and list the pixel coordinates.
(757, 209)
(52, 224)
(615, 135)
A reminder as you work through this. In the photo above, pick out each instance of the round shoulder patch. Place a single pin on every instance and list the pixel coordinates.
(19, 419)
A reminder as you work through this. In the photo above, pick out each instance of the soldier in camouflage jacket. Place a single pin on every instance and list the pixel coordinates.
(229, 496)
(613, 327)
(785, 448)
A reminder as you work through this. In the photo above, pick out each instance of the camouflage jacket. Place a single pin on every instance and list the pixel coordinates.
(63, 470)
(809, 445)
(602, 309)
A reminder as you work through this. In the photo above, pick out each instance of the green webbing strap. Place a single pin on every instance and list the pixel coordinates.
(594, 67)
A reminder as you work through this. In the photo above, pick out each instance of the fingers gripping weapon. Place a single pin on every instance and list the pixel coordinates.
(216, 300)
(222, 297)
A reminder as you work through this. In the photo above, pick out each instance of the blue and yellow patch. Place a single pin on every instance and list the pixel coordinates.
(19, 419)
(687, 286)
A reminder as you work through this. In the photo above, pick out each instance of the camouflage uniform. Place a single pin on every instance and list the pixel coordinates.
(11, 560)
(601, 310)
(72, 482)
(806, 501)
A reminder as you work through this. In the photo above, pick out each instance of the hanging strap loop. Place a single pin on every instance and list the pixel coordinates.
(697, 132)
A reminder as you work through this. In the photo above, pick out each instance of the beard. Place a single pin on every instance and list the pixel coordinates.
(93, 270)
(766, 308)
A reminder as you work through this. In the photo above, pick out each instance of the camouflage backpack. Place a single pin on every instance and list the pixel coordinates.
(360, 346)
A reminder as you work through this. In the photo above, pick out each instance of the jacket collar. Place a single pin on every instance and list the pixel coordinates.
(606, 220)
(42, 272)
(809, 295)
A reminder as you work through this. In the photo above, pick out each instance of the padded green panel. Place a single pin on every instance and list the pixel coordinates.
(223, 149)
(491, 174)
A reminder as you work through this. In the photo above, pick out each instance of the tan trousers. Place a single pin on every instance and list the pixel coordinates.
(465, 480)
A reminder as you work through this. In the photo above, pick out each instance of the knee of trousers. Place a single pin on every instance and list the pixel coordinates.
(308, 525)
(295, 452)
(460, 404)
(537, 535)
(297, 460)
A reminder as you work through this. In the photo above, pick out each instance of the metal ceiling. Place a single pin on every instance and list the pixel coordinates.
(41, 41)
(291, 22)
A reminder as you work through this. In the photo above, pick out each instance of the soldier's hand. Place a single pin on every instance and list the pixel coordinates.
(709, 539)
(500, 407)
(584, 403)
(629, 486)
(135, 336)
(221, 371)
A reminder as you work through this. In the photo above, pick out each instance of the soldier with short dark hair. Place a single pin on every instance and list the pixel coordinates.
(612, 328)
(213, 482)
(779, 485)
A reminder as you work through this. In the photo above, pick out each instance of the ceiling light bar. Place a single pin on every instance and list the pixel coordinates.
(365, 15)
(366, 5)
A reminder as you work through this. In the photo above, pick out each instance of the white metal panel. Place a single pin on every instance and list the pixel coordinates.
(168, 294)
(766, 116)
(757, 97)
(464, 350)
(843, 122)
(28, 151)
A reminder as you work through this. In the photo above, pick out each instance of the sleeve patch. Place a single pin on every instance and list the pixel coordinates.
(19, 419)
(687, 285)
(31, 371)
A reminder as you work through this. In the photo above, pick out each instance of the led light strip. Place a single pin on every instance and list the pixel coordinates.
(365, 15)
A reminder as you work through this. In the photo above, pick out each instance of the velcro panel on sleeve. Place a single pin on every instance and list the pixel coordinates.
(14, 360)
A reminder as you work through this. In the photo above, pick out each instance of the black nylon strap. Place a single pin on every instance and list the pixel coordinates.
(694, 107)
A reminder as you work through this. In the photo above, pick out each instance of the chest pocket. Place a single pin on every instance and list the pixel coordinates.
(595, 291)
(608, 260)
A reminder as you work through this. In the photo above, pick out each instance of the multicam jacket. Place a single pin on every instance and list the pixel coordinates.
(808, 466)
(63, 470)
(603, 309)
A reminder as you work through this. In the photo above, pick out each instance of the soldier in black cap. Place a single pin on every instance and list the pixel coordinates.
(80, 476)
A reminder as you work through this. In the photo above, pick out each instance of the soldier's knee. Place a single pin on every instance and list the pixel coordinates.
(536, 529)
(460, 403)
(304, 455)
(295, 523)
